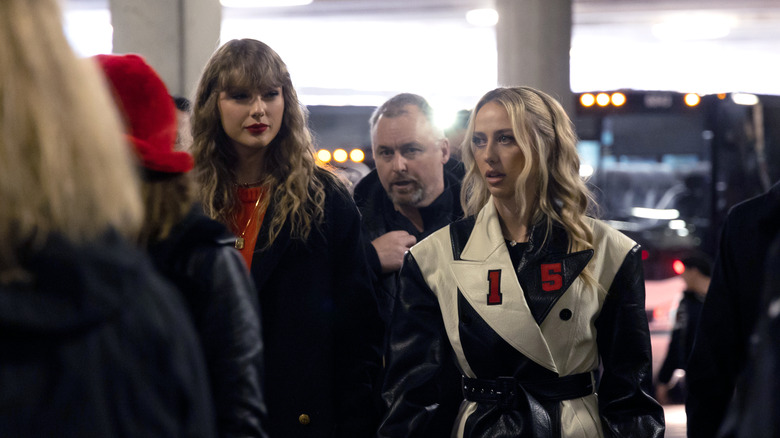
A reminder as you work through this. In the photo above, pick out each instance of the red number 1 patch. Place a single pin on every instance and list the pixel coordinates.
(494, 284)
(552, 277)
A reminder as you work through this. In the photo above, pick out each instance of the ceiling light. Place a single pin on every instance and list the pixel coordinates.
(323, 155)
(744, 98)
(694, 26)
(263, 3)
(692, 99)
(340, 155)
(357, 155)
(587, 100)
(618, 99)
(482, 17)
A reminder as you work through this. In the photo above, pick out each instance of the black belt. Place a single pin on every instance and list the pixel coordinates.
(504, 390)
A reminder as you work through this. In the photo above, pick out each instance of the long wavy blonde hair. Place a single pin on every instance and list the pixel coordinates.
(289, 166)
(545, 133)
(64, 164)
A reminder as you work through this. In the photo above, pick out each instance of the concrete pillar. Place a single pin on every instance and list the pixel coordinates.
(533, 39)
(176, 37)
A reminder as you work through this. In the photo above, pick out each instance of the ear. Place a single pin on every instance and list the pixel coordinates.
(445, 150)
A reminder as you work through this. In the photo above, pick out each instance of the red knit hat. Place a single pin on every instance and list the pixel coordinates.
(149, 112)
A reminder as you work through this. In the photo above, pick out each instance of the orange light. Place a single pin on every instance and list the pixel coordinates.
(323, 155)
(618, 99)
(692, 99)
(587, 100)
(602, 99)
(340, 155)
(678, 267)
(357, 155)
(721, 96)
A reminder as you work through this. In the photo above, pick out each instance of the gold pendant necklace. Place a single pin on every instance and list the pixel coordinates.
(240, 239)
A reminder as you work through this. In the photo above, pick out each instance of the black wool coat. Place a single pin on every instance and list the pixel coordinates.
(321, 328)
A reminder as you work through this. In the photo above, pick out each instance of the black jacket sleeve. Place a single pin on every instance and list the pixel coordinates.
(626, 406)
(226, 317)
(418, 352)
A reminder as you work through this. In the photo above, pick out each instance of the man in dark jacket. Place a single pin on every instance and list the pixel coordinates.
(414, 191)
(410, 194)
(730, 312)
(697, 273)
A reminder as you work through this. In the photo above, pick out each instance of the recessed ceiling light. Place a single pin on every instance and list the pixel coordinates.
(263, 3)
(694, 26)
(482, 17)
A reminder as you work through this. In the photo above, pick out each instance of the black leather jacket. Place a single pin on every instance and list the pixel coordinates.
(198, 256)
(435, 323)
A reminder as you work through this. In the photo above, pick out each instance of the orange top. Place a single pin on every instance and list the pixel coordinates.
(250, 219)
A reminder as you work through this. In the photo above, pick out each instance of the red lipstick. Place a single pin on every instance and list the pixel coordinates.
(257, 128)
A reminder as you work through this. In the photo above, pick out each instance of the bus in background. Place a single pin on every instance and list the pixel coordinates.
(665, 167)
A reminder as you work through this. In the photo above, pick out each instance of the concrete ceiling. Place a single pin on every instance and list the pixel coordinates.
(757, 21)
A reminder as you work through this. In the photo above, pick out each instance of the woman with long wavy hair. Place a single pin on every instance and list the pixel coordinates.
(527, 294)
(299, 233)
(94, 342)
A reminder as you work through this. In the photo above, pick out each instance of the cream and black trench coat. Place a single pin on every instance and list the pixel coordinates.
(461, 299)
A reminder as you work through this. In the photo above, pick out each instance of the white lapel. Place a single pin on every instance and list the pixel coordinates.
(512, 319)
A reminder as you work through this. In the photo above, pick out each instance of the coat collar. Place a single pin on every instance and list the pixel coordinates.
(486, 236)
(486, 251)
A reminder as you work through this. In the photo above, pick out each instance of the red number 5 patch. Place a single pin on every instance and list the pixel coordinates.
(552, 277)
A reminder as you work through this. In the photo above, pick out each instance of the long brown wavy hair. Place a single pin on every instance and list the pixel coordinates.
(64, 165)
(167, 200)
(289, 165)
(545, 133)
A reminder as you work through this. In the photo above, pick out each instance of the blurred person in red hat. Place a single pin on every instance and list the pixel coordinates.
(299, 232)
(94, 342)
(193, 251)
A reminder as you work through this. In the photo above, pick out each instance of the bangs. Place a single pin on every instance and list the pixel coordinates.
(249, 76)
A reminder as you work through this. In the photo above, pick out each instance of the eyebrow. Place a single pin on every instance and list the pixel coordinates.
(405, 145)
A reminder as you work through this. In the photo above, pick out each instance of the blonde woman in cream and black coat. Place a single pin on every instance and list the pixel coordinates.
(527, 294)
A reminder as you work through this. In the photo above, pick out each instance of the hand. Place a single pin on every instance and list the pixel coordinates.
(391, 247)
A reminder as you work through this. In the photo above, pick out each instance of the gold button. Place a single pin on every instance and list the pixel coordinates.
(304, 419)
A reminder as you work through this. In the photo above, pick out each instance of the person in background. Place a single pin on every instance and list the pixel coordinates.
(409, 195)
(734, 304)
(193, 251)
(696, 276)
(530, 295)
(299, 232)
(94, 342)
(456, 134)
(183, 116)
(753, 410)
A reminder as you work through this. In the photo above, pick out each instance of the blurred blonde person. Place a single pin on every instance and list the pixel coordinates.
(94, 343)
